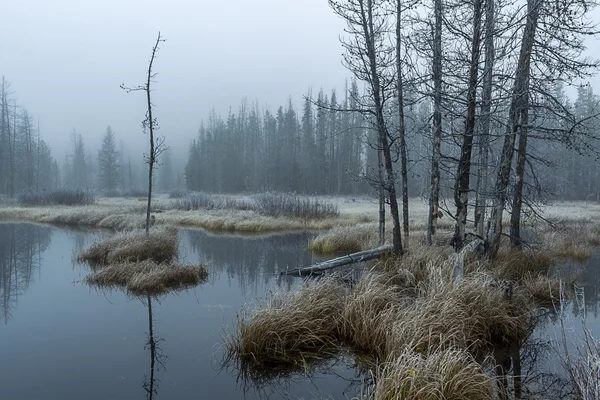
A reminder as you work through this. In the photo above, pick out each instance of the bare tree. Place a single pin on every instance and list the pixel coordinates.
(485, 118)
(401, 122)
(157, 145)
(517, 119)
(434, 196)
(461, 187)
(367, 56)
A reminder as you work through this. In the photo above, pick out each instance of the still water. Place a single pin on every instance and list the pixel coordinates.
(61, 339)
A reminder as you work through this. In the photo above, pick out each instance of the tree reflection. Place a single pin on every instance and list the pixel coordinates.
(21, 248)
(157, 358)
(251, 259)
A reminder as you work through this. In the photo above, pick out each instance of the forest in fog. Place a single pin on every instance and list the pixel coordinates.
(309, 145)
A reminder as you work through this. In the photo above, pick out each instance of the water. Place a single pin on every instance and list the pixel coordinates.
(61, 339)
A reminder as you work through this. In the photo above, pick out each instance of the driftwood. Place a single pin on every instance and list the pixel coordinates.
(340, 261)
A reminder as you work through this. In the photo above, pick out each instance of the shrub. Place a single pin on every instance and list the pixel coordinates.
(178, 194)
(279, 204)
(60, 197)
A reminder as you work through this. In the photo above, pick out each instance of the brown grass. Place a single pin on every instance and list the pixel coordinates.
(126, 247)
(369, 313)
(475, 314)
(291, 328)
(148, 277)
(346, 239)
(449, 374)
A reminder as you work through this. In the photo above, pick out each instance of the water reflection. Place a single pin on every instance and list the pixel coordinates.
(21, 246)
(157, 357)
(253, 260)
(524, 372)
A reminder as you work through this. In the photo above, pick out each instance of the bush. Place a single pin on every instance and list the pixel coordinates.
(274, 204)
(291, 205)
(60, 197)
(125, 193)
(201, 200)
(177, 194)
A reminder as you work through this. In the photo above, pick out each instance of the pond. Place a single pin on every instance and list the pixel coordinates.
(61, 339)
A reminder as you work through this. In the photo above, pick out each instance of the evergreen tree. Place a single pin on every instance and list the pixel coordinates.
(108, 163)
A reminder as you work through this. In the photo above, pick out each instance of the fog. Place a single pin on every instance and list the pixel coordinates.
(65, 61)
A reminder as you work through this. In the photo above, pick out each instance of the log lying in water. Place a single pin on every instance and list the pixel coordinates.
(340, 261)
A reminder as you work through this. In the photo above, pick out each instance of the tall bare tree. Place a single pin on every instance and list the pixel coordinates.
(434, 196)
(401, 122)
(157, 144)
(517, 120)
(367, 56)
(485, 118)
(461, 187)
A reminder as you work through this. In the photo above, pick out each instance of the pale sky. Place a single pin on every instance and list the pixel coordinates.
(65, 60)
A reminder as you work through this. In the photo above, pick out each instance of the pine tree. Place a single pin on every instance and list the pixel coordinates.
(108, 163)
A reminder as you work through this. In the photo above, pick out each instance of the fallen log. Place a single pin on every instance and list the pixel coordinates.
(340, 261)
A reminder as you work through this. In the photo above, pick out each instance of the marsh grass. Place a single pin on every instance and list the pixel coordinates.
(290, 329)
(369, 314)
(58, 197)
(346, 239)
(449, 374)
(148, 277)
(132, 246)
(472, 314)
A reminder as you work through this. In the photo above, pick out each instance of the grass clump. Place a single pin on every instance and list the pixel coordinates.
(148, 277)
(206, 201)
(345, 239)
(477, 314)
(291, 328)
(279, 204)
(370, 312)
(449, 374)
(160, 246)
(59, 197)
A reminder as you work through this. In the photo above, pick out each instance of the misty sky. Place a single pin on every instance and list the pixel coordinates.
(66, 59)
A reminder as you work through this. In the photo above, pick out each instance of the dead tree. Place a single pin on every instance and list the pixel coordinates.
(517, 119)
(157, 145)
(401, 122)
(367, 56)
(556, 55)
(481, 186)
(461, 187)
(434, 196)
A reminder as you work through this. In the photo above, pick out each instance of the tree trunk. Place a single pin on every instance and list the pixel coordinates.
(463, 175)
(367, 24)
(434, 196)
(381, 199)
(152, 157)
(401, 124)
(518, 114)
(515, 218)
(482, 184)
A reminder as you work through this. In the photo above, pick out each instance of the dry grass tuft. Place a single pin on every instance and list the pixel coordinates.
(445, 374)
(518, 265)
(148, 278)
(291, 328)
(369, 313)
(346, 239)
(126, 247)
(545, 291)
(475, 314)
